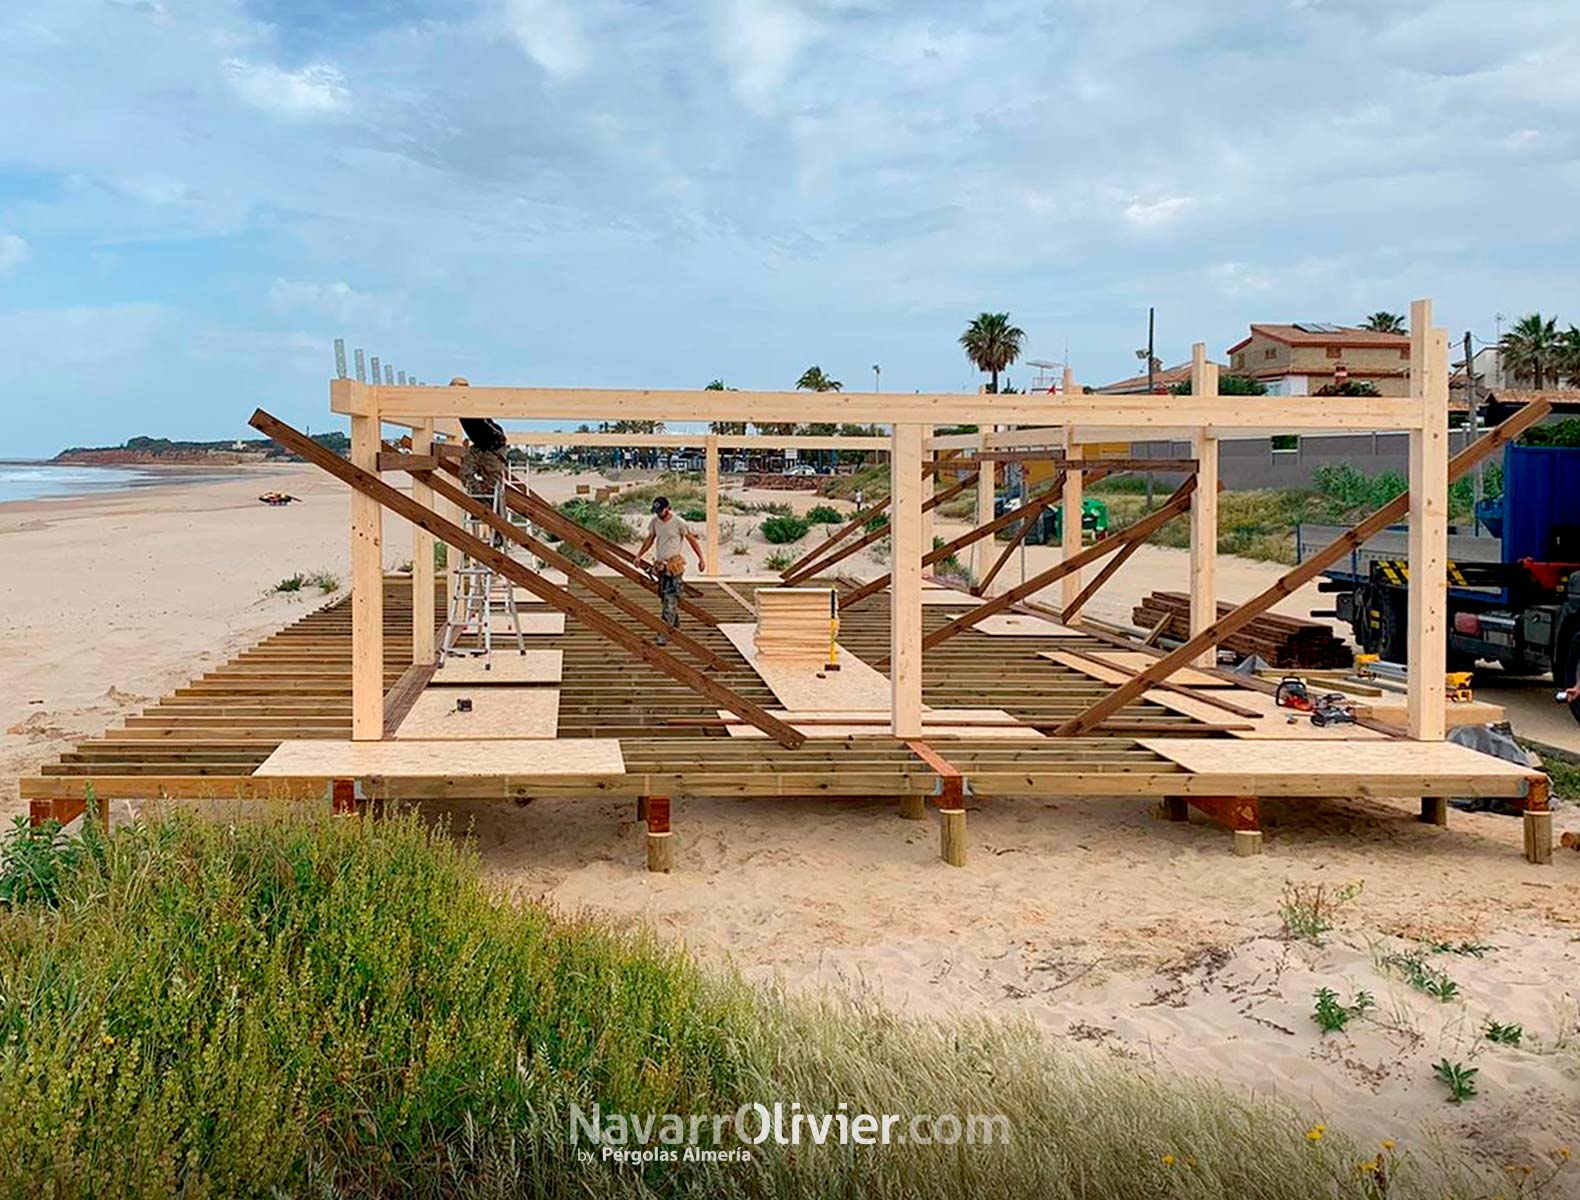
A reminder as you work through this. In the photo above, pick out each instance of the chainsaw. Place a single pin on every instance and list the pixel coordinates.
(1330, 708)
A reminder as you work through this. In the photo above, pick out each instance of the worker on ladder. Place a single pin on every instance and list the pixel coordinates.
(669, 533)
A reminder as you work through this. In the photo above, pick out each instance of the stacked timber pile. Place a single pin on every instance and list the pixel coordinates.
(794, 623)
(1281, 641)
(779, 482)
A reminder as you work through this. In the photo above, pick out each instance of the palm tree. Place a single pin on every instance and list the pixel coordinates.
(1384, 322)
(1569, 356)
(1531, 347)
(814, 380)
(992, 343)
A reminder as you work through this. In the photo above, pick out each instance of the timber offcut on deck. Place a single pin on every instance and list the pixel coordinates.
(206, 739)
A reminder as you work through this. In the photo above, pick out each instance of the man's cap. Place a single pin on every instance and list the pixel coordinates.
(660, 504)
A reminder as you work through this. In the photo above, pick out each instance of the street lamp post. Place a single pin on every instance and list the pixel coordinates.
(877, 373)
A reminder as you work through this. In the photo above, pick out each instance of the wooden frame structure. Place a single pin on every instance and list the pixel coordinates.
(1092, 737)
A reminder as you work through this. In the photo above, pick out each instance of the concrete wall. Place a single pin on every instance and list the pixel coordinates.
(1247, 463)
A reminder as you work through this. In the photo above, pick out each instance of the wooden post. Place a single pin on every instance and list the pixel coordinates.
(929, 489)
(1176, 808)
(985, 498)
(711, 450)
(1204, 510)
(660, 845)
(367, 583)
(422, 616)
(1538, 822)
(952, 836)
(1247, 842)
(905, 592)
(1070, 504)
(1428, 537)
(913, 807)
(1434, 810)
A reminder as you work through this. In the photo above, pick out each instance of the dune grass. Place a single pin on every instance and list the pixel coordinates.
(296, 1006)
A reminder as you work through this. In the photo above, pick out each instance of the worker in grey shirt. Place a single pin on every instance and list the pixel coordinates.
(667, 533)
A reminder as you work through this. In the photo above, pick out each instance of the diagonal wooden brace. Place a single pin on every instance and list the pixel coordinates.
(1334, 552)
(573, 571)
(370, 485)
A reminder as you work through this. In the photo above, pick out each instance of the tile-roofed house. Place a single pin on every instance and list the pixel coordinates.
(1136, 385)
(1299, 359)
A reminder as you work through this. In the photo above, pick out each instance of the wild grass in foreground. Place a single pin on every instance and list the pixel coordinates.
(339, 1007)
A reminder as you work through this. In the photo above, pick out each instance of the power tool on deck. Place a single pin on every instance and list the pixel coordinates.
(1329, 708)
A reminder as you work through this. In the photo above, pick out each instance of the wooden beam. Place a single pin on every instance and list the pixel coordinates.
(979, 534)
(929, 489)
(399, 460)
(1427, 625)
(1070, 611)
(873, 535)
(617, 558)
(1204, 510)
(1070, 506)
(905, 595)
(696, 441)
(367, 587)
(710, 477)
(1319, 562)
(573, 570)
(856, 522)
(1276, 414)
(1139, 531)
(366, 482)
(1030, 515)
(422, 615)
(986, 497)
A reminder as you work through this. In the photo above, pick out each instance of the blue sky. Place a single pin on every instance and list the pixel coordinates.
(196, 198)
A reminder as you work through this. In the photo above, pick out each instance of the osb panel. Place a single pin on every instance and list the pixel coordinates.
(505, 665)
(1018, 625)
(936, 723)
(451, 759)
(1376, 765)
(1134, 659)
(806, 686)
(496, 712)
(1275, 724)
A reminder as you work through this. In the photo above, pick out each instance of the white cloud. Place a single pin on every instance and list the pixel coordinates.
(338, 302)
(758, 42)
(14, 251)
(315, 90)
(1237, 279)
(549, 33)
(1156, 213)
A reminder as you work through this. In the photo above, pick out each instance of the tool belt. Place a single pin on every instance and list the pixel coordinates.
(674, 565)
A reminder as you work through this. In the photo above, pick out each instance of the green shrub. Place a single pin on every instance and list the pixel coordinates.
(606, 522)
(314, 1007)
(823, 514)
(696, 515)
(779, 560)
(783, 530)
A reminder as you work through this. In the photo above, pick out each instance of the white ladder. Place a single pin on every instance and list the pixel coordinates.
(475, 586)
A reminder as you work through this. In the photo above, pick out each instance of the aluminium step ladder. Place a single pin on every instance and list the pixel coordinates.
(476, 588)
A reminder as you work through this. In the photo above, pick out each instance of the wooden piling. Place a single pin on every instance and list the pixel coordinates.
(1247, 842)
(952, 836)
(1434, 810)
(913, 808)
(660, 843)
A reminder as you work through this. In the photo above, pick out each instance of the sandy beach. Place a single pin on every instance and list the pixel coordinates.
(1102, 925)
